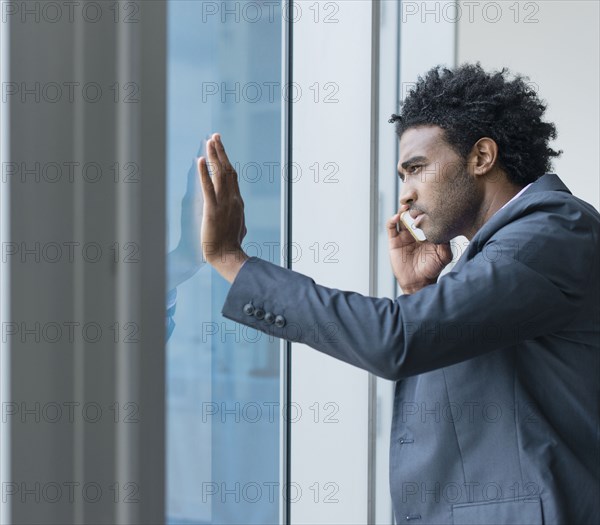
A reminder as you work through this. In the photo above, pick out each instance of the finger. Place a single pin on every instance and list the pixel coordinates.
(208, 189)
(229, 173)
(402, 228)
(222, 154)
(215, 166)
(392, 226)
(193, 180)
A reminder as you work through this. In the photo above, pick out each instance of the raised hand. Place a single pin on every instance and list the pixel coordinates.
(415, 264)
(223, 224)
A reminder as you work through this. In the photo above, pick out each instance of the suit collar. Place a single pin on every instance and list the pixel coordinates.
(548, 182)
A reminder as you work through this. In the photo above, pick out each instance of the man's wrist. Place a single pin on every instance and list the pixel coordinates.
(229, 264)
(411, 288)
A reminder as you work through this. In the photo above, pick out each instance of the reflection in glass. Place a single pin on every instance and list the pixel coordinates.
(223, 406)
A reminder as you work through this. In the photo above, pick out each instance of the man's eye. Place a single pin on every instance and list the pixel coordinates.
(411, 170)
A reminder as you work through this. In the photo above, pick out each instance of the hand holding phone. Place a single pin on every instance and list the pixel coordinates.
(409, 222)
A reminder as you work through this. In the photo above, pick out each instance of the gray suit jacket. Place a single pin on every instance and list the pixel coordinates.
(497, 402)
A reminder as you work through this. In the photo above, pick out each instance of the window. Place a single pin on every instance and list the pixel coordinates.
(223, 379)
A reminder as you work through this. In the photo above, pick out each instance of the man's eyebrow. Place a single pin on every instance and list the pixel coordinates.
(413, 160)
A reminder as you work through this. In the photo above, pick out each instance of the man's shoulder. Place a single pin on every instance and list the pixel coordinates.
(546, 229)
(546, 208)
(550, 194)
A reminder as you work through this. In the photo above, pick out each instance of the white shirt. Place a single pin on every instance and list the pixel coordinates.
(517, 195)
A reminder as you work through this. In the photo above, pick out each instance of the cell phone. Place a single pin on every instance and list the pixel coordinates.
(409, 222)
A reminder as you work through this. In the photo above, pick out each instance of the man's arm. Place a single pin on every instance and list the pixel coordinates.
(488, 305)
(515, 288)
(529, 280)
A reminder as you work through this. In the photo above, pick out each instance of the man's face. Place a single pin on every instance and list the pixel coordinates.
(442, 196)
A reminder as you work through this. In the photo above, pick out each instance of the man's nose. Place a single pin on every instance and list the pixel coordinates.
(407, 194)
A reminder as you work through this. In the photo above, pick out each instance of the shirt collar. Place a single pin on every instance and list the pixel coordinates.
(517, 195)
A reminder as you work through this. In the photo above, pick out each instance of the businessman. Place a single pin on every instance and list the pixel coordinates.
(506, 345)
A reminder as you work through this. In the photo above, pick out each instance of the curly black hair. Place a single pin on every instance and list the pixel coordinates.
(468, 103)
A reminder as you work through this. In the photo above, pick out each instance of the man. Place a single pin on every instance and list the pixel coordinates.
(506, 345)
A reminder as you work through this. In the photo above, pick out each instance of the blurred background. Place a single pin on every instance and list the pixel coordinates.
(125, 395)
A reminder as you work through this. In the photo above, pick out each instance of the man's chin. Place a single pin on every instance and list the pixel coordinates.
(435, 237)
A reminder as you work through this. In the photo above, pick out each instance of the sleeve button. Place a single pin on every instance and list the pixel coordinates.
(259, 313)
(248, 309)
(280, 321)
(269, 318)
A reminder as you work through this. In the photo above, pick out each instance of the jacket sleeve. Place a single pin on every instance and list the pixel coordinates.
(513, 289)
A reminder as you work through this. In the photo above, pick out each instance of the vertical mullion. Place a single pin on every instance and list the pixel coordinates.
(373, 245)
(290, 200)
(287, 192)
(127, 287)
(152, 217)
(5, 430)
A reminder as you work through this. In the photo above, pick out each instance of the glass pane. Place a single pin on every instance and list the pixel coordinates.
(223, 405)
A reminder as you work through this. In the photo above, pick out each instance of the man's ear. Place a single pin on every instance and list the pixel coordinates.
(483, 156)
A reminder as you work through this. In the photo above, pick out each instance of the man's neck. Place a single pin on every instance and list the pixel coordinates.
(496, 194)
